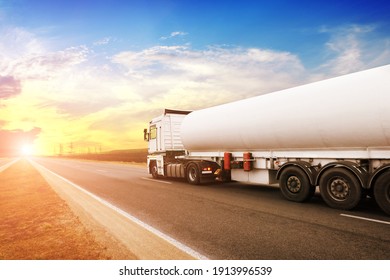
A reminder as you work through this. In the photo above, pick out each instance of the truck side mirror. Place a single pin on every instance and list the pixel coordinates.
(146, 135)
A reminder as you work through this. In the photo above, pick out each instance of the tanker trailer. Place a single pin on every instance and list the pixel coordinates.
(334, 134)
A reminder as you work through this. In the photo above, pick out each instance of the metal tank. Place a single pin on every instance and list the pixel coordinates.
(350, 111)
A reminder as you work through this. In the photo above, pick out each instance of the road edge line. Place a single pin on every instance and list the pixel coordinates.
(365, 219)
(158, 181)
(8, 164)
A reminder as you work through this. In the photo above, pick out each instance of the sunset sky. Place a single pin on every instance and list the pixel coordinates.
(87, 76)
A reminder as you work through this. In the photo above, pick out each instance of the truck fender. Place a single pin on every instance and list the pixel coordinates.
(201, 164)
(355, 168)
(311, 171)
(187, 163)
(376, 174)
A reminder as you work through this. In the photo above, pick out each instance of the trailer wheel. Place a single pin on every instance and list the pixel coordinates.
(153, 170)
(193, 175)
(340, 188)
(295, 185)
(382, 192)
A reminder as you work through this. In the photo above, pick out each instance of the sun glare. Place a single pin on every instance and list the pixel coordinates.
(26, 150)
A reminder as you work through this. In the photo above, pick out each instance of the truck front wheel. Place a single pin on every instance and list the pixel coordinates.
(340, 188)
(295, 184)
(382, 192)
(193, 175)
(153, 170)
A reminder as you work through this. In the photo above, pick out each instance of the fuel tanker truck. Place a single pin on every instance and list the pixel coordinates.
(334, 134)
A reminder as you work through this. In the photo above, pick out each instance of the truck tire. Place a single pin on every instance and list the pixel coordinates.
(295, 185)
(153, 170)
(340, 188)
(382, 192)
(193, 175)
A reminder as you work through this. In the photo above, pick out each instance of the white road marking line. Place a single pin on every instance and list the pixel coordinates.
(5, 166)
(167, 238)
(366, 219)
(101, 170)
(154, 180)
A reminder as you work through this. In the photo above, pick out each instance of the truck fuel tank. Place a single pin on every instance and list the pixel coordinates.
(347, 111)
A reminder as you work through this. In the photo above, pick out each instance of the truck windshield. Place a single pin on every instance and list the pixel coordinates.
(153, 132)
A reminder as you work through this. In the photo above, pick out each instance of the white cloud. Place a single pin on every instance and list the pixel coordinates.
(353, 48)
(16, 42)
(174, 34)
(103, 41)
(178, 76)
(26, 56)
(49, 65)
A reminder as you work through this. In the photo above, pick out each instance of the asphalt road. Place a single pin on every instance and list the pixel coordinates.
(233, 220)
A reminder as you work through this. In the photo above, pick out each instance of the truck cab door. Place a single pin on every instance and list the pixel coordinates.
(152, 145)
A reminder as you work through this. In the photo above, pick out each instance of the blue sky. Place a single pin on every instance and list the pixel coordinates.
(284, 25)
(110, 66)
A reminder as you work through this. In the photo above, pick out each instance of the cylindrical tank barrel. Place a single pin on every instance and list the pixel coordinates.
(227, 158)
(247, 165)
(348, 111)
